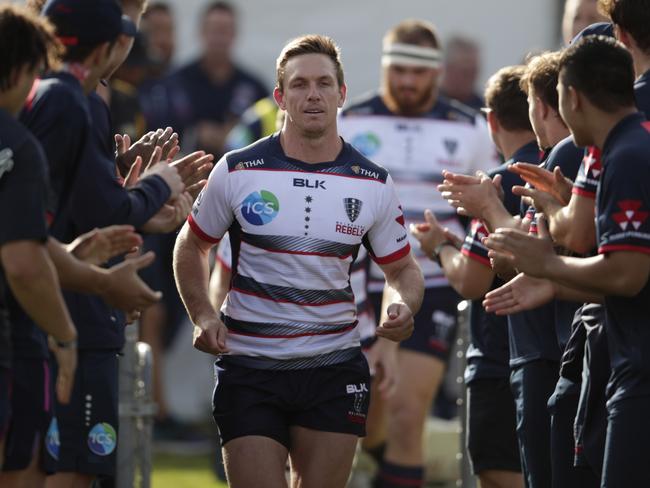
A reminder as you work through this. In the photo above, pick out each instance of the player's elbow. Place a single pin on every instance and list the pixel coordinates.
(578, 242)
(23, 262)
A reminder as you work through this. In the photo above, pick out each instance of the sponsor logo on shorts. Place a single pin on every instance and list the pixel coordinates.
(52, 442)
(102, 439)
(358, 413)
(360, 388)
(367, 143)
(260, 208)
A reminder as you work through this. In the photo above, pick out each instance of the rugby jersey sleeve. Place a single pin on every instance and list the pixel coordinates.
(387, 239)
(624, 207)
(589, 173)
(212, 213)
(473, 246)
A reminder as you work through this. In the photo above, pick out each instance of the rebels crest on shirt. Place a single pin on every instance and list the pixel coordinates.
(352, 208)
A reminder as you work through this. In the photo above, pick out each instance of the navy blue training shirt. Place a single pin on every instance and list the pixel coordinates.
(488, 353)
(23, 200)
(532, 335)
(622, 224)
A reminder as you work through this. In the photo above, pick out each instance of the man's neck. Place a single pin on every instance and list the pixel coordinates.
(511, 142)
(394, 108)
(555, 132)
(217, 69)
(310, 150)
(9, 104)
(605, 122)
(641, 64)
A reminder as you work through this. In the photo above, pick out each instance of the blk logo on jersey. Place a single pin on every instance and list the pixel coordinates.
(260, 208)
(102, 439)
(307, 183)
(367, 143)
(352, 208)
(630, 217)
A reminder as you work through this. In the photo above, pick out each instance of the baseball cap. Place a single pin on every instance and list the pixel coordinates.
(597, 29)
(88, 22)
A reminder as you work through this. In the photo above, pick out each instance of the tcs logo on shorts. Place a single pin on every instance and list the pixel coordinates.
(102, 439)
(260, 208)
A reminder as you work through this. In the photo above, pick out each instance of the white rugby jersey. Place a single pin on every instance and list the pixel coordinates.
(367, 323)
(295, 229)
(415, 150)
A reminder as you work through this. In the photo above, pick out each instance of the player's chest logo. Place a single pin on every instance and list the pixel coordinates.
(353, 207)
(6, 161)
(631, 217)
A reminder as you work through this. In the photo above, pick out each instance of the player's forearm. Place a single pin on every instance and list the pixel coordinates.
(569, 294)
(34, 283)
(406, 286)
(618, 274)
(74, 274)
(469, 278)
(191, 271)
(496, 216)
(573, 226)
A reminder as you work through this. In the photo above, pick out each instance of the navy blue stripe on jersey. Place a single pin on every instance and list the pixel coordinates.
(267, 155)
(321, 360)
(300, 245)
(284, 331)
(285, 294)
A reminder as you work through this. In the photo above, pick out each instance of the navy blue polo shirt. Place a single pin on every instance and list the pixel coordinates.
(642, 93)
(622, 224)
(487, 354)
(56, 113)
(23, 199)
(532, 335)
(100, 200)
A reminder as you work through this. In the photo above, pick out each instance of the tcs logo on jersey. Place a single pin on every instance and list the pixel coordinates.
(367, 143)
(260, 208)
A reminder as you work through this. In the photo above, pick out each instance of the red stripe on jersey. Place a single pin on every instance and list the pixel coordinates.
(476, 257)
(305, 334)
(223, 262)
(394, 256)
(29, 102)
(199, 232)
(266, 297)
(583, 193)
(623, 247)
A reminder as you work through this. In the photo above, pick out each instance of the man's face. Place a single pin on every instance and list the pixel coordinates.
(411, 88)
(311, 95)
(159, 29)
(535, 114)
(218, 34)
(572, 117)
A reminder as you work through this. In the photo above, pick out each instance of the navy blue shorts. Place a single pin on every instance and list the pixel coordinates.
(83, 436)
(563, 406)
(269, 402)
(436, 323)
(627, 449)
(491, 421)
(31, 412)
(532, 385)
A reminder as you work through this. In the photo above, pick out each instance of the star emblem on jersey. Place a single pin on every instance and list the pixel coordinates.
(630, 217)
(352, 208)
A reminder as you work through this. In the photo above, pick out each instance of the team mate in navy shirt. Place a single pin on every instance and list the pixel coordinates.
(603, 114)
(535, 344)
(492, 440)
(26, 269)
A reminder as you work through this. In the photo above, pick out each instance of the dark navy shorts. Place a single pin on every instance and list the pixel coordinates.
(436, 323)
(627, 450)
(532, 385)
(31, 411)
(268, 403)
(491, 426)
(82, 438)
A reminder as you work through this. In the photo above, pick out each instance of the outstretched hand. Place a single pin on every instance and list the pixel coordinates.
(521, 293)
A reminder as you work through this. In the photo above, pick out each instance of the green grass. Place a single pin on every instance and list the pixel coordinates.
(174, 471)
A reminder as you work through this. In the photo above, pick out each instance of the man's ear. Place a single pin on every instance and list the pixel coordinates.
(493, 122)
(278, 96)
(575, 99)
(343, 91)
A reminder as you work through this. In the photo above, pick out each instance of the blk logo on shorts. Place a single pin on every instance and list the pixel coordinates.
(352, 208)
(102, 439)
(360, 388)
